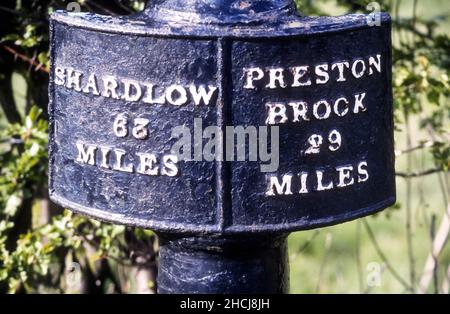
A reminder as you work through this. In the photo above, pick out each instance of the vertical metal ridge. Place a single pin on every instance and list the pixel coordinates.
(223, 192)
(50, 106)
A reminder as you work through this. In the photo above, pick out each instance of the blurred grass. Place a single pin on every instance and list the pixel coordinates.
(340, 271)
(329, 264)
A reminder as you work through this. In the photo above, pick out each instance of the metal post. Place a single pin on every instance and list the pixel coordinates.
(314, 93)
(254, 264)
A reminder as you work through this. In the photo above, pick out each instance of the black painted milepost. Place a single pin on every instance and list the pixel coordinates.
(321, 86)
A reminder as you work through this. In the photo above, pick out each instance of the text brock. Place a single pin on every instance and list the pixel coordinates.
(298, 111)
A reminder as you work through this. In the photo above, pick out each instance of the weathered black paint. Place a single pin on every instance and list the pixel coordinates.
(210, 42)
(223, 265)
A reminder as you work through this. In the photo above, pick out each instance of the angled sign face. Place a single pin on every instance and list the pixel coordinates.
(146, 122)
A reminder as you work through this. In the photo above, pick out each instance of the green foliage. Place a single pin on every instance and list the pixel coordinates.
(23, 163)
(40, 242)
(441, 155)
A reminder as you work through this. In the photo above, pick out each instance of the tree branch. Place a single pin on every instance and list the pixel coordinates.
(426, 144)
(436, 248)
(417, 174)
(384, 258)
(31, 61)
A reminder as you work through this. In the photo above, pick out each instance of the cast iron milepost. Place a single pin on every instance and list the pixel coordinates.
(314, 93)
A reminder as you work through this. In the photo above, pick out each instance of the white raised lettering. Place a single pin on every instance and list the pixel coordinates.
(298, 73)
(275, 188)
(355, 72)
(86, 153)
(91, 85)
(173, 90)
(200, 93)
(276, 110)
(358, 103)
(320, 186)
(129, 86)
(252, 74)
(74, 79)
(119, 164)
(363, 174)
(376, 63)
(110, 87)
(342, 112)
(147, 164)
(322, 73)
(300, 109)
(60, 76)
(345, 176)
(276, 75)
(170, 165)
(325, 114)
(340, 66)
